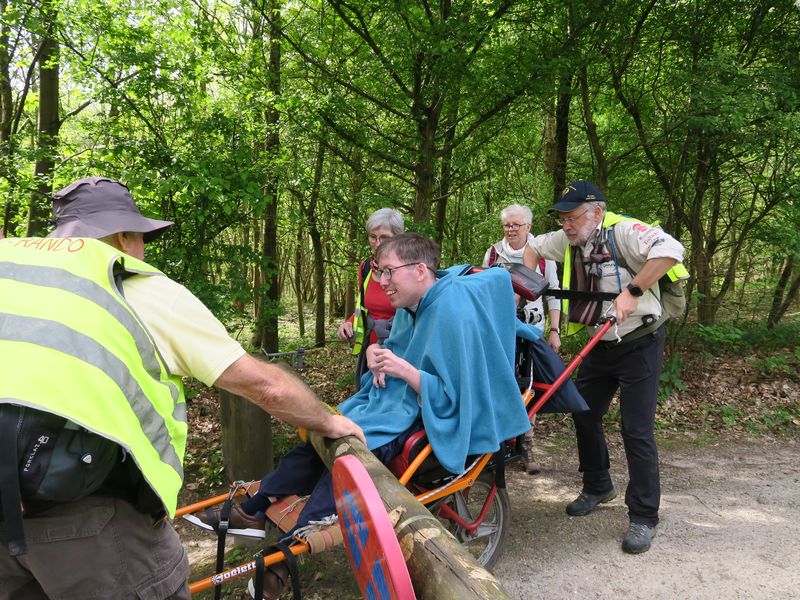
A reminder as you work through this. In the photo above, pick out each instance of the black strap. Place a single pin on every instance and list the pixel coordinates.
(9, 480)
(258, 590)
(222, 532)
(500, 467)
(580, 295)
(291, 563)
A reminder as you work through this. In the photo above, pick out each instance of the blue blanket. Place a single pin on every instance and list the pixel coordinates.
(462, 340)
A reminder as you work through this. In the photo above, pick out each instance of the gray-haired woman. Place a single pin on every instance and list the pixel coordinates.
(372, 319)
(513, 248)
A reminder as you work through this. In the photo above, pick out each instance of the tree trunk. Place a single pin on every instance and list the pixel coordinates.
(6, 117)
(439, 566)
(354, 231)
(267, 323)
(49, 124)
(780, 299)
(561, 136)
(601, 177)
(445, 179)
(298, 280)
(316, 244)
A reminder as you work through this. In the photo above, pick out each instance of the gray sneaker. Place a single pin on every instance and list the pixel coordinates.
(529, 464)
(586, 503)
(638, 538)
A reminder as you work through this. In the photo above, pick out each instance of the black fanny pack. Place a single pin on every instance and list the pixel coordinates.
(46, 459)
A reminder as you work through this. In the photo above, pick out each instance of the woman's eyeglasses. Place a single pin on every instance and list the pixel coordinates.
(513, 226)
(378, 238)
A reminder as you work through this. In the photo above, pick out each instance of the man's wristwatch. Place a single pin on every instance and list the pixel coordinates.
(635, 290)
(555, 330)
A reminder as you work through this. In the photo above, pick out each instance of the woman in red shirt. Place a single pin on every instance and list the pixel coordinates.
(374, 313)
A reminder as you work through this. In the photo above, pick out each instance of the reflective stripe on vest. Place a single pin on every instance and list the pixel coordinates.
(360, 315)
(677, 272)
(71, 345)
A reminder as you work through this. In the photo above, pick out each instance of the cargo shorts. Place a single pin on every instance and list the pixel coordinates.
(95, 548)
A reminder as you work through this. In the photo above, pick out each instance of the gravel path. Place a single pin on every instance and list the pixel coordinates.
(730, 526)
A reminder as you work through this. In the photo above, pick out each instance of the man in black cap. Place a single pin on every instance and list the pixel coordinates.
(604, 252)
(92, 335)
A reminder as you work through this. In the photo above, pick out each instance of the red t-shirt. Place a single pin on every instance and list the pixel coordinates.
(375, 301)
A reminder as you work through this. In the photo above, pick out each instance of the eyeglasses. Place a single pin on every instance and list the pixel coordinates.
(378, 238)
(570, 220)
(389, 271)
(514, 226)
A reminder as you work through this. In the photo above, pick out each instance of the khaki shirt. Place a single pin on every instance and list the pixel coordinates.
(637, 243)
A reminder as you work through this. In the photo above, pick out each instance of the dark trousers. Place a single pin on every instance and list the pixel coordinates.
(301, 472)
(634, 369)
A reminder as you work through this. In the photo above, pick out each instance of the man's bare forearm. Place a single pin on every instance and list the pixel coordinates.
(283, 396)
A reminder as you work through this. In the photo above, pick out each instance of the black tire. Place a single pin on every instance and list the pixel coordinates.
(487, 546)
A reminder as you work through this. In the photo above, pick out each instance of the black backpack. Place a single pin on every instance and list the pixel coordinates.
(46, 459)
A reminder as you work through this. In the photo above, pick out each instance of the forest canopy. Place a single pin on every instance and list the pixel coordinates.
(269, 131)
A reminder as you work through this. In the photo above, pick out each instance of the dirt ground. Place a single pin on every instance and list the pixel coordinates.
(730, 524)
(730, 528)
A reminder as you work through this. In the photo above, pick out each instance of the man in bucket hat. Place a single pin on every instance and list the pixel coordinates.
(604, 252)
(92, 334)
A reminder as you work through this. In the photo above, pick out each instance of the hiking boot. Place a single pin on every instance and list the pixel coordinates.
(638, 538)
(529, 463)
(585, 502)
(239, 522)
(276, 580)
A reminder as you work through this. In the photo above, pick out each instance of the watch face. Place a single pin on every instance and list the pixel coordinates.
(635, 290)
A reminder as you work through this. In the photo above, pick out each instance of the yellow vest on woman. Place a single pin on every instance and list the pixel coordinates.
(71, 345)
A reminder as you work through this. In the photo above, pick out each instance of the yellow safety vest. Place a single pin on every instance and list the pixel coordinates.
(71, 345)
(360, 315)
(676, 273)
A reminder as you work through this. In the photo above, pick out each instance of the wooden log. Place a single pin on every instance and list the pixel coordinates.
(246, 438)
(439, 566)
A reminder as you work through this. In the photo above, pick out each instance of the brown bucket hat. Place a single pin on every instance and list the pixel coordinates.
(95, 207)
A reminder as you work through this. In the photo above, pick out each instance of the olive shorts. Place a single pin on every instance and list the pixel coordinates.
(97, 547)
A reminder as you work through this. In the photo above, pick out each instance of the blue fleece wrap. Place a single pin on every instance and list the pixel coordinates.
(462, 340)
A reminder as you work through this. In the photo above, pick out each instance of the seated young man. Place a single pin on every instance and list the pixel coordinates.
(448, 364)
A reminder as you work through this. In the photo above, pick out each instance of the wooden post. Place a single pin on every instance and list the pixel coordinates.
(246, 438)
(440, 567)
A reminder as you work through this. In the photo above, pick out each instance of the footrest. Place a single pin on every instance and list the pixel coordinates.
(285, 512)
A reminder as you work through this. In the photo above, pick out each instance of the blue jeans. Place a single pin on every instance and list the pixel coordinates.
(301, 472)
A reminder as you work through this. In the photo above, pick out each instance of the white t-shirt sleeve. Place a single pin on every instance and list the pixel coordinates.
(191, 340)
(551, 275)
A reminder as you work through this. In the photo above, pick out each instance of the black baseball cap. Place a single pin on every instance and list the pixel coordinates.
(575, 194)
(96, 207)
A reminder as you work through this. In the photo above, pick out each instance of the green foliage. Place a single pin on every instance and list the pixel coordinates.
(731, 415)
(723, 336)
(670, 381)
(730, 337)
(777, 365)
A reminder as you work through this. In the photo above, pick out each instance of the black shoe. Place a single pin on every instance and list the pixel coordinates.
(585, 502)
(638, 538)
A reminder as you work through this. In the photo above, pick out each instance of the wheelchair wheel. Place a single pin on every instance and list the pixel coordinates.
(487, 543)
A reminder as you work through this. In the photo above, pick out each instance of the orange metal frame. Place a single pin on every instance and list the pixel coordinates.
(427, 497)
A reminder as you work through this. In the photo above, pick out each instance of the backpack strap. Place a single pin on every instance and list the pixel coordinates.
(492, 255)
(9, 480)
